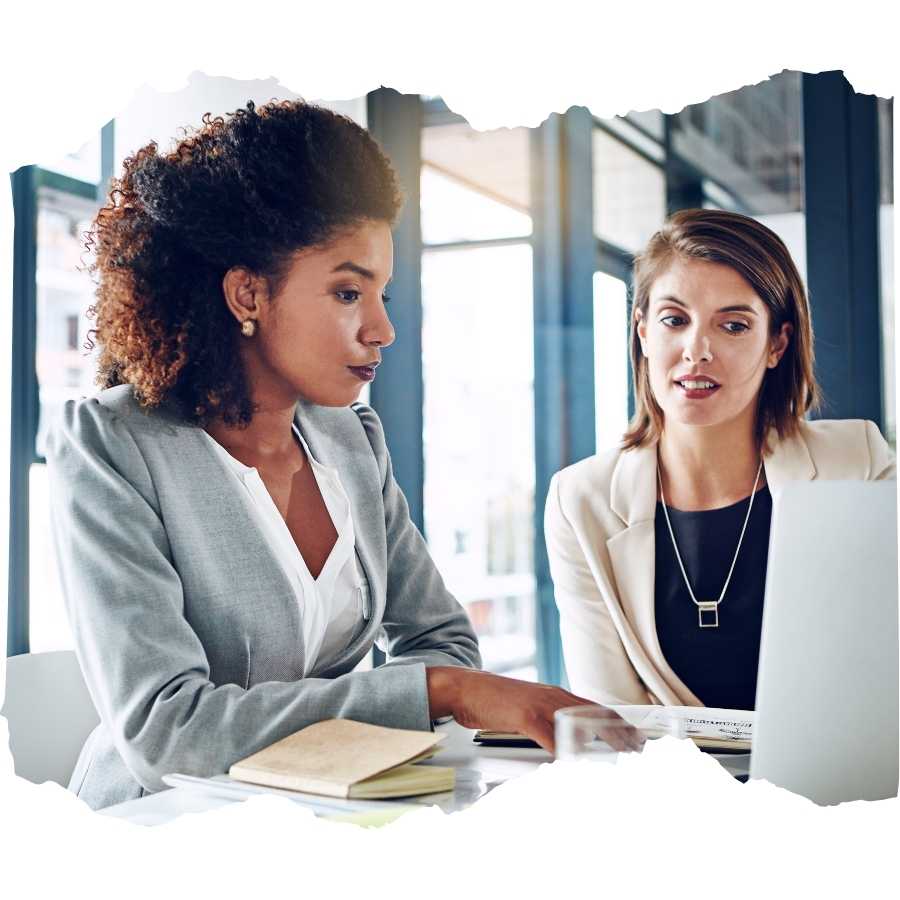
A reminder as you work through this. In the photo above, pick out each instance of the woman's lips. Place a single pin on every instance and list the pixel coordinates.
(696, 393)
(363, 373)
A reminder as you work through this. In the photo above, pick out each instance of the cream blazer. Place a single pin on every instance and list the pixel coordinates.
(599, 528)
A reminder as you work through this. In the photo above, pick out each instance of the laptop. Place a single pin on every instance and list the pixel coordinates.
(826, 723)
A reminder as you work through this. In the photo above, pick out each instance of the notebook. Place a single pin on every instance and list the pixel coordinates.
(344, 758)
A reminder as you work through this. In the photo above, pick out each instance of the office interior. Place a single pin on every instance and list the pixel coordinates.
(510, 300)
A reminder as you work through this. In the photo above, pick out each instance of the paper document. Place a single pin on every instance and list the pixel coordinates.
(708, 727)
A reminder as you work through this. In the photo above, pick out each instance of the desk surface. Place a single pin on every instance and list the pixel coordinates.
(478, 769)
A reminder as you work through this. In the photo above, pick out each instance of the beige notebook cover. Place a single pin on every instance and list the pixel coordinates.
(343, 758)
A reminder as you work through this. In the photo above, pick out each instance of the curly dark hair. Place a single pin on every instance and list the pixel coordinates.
(248, 189)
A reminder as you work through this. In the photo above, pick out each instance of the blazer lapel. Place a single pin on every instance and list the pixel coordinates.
(789, 461)
(632, 554)
(194, 470)
(360, 477)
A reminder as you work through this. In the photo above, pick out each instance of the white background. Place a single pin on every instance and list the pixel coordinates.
(667, 822)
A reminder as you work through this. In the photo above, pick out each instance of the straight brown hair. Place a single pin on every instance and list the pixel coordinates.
(760, 257)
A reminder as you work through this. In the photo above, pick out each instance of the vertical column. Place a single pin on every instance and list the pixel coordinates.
(24, 401)
(840, 148)
(395, 121)
(564, 264)
(684, 185)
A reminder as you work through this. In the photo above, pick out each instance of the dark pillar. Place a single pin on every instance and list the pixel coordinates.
(684, 184)
(841, 194)
(395, 121)
(564, 263)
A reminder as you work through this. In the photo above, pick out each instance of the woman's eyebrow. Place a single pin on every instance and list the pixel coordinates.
(348, 266)
(667, 299)
(740, 307)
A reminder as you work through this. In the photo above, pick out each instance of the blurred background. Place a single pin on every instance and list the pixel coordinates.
(510, 299)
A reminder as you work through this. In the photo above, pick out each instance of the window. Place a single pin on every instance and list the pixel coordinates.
(610, 359)
(750, 142)
(474, 185)
(629, 194)
(478, 369)
(65, 370)
(452, 213)
(72, 332)
(478, 372)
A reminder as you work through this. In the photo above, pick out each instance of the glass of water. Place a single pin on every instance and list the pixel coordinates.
(593, 732)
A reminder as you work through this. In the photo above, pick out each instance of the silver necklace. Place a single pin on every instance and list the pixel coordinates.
(709, 607)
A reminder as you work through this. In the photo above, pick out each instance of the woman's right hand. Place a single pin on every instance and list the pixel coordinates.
(479, 699)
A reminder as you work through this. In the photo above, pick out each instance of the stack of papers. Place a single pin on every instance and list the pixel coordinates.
(709, 728)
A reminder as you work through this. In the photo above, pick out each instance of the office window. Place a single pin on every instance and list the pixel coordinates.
(65, 370)
(475, 185)
(478, 373)
(451, 213)
(748, 145)
(629, 193)
(750, 141)
(791, 228)
(72, 329)
(478, 370)
(610, 359)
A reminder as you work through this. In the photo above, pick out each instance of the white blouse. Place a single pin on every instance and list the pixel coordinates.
(333, 605)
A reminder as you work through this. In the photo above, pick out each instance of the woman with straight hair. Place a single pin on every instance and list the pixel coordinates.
(658, 547)
(231, 537)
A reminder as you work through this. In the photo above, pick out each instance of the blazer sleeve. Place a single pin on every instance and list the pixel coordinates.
(883, 465)
(422, 621)
(145, 667)
(597, 665)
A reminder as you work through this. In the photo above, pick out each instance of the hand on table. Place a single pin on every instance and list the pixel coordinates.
(478, 699)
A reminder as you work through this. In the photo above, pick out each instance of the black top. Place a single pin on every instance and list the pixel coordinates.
(718, 664)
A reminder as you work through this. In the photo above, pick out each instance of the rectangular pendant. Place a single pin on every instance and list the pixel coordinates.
(708, 614)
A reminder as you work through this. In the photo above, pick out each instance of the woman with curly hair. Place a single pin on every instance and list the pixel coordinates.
(231, 537)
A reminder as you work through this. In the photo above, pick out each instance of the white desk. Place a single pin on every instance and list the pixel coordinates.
(478, 769)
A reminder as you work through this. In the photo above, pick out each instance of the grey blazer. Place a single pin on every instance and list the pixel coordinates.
(188, 632)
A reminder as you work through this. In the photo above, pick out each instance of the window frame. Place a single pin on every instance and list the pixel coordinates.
(26, 184)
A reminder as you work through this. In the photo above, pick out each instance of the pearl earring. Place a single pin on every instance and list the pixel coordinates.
(248, 328)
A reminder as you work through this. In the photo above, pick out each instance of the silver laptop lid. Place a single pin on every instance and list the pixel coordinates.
(826, 720)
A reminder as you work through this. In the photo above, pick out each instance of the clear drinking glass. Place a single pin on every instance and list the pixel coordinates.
(588, 732)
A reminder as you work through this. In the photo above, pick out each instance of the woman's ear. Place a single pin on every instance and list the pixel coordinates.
(779, 344)
(244, 293)
(641, 328)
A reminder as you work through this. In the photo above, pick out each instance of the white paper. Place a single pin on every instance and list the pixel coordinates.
(690, 721)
